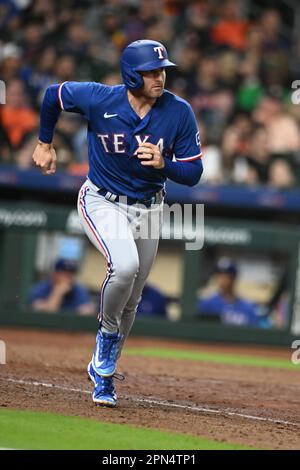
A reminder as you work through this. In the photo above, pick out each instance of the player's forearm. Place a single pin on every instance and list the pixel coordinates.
(50, 112)
(86, 309)
(45, 305)
(52, 303)
(188, 173)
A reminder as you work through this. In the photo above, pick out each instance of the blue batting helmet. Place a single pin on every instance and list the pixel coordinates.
(141, 56)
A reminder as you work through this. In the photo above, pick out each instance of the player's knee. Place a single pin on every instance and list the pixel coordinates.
(127, 272)
(130, 309)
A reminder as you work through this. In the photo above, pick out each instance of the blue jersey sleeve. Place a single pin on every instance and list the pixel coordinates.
(39, 291)
(182, 173)
(187, 143)
(68, 96)
(209, 305)
(251, 310)
(77, 97)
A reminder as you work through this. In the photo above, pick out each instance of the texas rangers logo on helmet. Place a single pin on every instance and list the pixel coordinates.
(159, 50)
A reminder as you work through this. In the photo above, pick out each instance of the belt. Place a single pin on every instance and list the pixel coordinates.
(156, 199)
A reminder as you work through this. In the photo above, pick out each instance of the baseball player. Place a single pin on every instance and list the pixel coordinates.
(134, 131)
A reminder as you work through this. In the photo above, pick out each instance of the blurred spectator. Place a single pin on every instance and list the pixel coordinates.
(210, 99)
(77, 41)
(198, 24)
(225, 304)
(270, 24)
(180, 78)
(17, 117)
(22, 157)
(253, 168)
(236, 66)
(65, 67)
(68, 128)
(280, 174)
(153, 302)
(275, 50)
(10, 62)
(160, 30)
(235, 146)
(231, 29)
(39, 77)
(282, 130)
(61, 292)
(212, 159)
(11, 12)
(251, 88)
(33, 40)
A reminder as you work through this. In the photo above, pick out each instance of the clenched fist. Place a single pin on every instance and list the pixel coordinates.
(44, 156)
(150, 155)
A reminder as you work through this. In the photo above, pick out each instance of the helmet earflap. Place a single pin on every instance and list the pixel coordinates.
(131, 78)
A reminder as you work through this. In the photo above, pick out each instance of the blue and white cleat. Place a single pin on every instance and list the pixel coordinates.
(104, 391)
(91, 373)
(104, 360)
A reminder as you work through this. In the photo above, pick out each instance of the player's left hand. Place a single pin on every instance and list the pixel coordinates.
(150, 155)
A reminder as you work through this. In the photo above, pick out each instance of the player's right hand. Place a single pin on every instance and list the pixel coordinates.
(63, 287)
(44, 156)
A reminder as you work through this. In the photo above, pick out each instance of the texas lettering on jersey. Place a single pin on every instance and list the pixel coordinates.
(115, 131)
(115, 143)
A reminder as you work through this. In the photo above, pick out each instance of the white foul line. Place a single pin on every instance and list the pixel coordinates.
(200, 409)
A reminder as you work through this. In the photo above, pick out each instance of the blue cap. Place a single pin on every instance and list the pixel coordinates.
(226, 265)
(67, 265)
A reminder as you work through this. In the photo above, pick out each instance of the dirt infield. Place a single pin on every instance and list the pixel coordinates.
(227, 403)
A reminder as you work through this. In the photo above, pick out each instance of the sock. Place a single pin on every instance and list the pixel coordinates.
(105, 330)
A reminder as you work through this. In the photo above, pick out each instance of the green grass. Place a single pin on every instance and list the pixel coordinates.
(229, 359)
(32, 430)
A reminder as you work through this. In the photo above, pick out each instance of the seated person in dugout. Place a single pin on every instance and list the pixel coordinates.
(225, 304)
(61, 291)
(153, 302)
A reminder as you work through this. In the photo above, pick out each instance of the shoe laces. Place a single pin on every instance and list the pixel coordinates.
(119, 376)
(110, 347)
(107, 384)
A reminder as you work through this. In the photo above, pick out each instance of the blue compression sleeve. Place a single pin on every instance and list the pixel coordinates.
(50, 112)
(188, 173)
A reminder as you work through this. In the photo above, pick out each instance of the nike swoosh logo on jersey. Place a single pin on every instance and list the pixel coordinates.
(107, 116)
